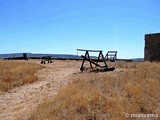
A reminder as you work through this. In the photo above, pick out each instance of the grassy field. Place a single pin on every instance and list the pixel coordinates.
(132, 88)
(17, 73)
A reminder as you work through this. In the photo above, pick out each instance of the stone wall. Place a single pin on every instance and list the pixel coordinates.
(152, 47)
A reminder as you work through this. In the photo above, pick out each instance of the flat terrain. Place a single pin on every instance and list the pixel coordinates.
(62, 92)
(21, 101)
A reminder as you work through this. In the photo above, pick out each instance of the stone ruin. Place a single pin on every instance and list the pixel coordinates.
(152, 47)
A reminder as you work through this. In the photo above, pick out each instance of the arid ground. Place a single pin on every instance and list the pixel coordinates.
(21, 101)
(63, 92)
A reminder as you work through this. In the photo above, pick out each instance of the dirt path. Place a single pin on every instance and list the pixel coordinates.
(21, 101)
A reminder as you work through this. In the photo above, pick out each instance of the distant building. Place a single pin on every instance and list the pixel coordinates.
(152, 47)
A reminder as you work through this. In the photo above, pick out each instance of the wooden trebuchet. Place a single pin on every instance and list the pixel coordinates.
(47, 59)
(94, 62)
(111, 56)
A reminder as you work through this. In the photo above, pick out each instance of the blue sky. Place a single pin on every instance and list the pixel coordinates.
(62, 26)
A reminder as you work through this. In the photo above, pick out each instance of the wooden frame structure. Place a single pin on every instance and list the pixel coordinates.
(46, 58)
(111, 55)
(92, 62)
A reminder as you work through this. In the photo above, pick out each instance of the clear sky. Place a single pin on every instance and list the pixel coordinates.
(62, 26)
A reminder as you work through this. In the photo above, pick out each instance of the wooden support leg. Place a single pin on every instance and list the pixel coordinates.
(98, 57)
(103, 59)
(89, 60)
(82, 68)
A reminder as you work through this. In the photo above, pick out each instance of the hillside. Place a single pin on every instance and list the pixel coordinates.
(35, 55)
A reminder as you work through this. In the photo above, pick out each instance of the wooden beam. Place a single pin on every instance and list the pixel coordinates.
(91, 61)
(89, 50)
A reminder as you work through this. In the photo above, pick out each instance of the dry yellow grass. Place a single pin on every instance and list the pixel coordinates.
(102, 96)
(17, 73)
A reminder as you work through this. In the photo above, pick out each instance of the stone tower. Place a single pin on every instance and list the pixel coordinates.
(152, 47)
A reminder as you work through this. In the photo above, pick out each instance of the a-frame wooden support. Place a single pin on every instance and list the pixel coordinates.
(101, 58)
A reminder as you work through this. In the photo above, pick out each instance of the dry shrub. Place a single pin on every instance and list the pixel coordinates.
(102, 96)
(16, 73)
